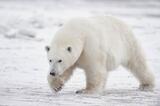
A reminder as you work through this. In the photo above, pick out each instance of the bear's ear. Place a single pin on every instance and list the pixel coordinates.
(69, 49)
(47, 48)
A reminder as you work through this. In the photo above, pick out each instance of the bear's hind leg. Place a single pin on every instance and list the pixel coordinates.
(138, 66)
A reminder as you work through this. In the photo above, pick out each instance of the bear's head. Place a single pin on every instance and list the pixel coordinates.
(63, 53)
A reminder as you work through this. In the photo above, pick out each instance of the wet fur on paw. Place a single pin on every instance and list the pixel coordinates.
(56, 83)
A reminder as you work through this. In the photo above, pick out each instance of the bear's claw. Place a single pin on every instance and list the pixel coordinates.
(78, 92)
(83, 91)
(58, 89)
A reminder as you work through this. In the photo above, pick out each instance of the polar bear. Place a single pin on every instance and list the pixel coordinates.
(97, 45)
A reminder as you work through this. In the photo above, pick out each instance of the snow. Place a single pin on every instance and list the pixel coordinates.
(27, 26)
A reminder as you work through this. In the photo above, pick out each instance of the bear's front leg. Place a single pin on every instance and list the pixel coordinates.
(57, 82)
(96, 79)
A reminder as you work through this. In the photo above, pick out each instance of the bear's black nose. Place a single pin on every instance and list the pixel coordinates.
(52, 73)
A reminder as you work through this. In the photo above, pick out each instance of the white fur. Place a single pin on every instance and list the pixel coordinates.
(99, 45)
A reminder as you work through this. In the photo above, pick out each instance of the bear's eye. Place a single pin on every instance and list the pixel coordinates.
(50, 61)
(69, 49)
(47, 48)
(59, 61)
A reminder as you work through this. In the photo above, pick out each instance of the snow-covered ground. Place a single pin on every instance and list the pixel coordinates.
(27, 26)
